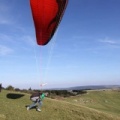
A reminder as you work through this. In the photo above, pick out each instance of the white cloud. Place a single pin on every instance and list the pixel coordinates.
(4, 50)
(29, 40)
(109, 41)
(3, 18)
(3, 14)
(3, 21)
(3, 7)
(4, 37)
(17, 39)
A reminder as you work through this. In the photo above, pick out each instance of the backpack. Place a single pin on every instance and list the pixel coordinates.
(35, 97)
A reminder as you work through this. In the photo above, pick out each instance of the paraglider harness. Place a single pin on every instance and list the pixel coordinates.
(35, 97)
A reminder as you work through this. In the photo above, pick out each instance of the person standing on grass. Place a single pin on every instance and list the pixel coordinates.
(37, 99)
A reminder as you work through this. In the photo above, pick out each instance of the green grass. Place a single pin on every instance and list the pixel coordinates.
(14, 109)
(105, 100)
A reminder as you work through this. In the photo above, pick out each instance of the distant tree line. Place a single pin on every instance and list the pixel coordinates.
(0, 87)
(50, 93)
(64, 93)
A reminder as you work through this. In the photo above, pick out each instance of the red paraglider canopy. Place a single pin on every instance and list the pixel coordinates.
(46, 16)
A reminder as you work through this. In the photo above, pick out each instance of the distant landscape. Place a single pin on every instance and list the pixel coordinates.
(94, 87)
(98, 103)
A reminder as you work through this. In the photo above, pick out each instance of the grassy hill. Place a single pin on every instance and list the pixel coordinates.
(103, 100)
(12, 107)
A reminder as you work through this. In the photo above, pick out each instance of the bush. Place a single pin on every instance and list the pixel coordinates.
(10, 87)
(0, 87)
(17, 89)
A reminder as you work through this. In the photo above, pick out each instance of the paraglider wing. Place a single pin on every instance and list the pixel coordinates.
(43, 84)
(47, 15)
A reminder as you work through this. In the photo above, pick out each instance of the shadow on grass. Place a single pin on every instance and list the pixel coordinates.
(14, 95)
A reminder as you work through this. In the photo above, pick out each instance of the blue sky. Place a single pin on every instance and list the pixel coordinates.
(84, 51)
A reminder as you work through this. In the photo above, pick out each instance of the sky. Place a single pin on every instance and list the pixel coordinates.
(85, 49)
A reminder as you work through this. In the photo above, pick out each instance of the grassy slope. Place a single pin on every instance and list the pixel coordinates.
(107, 101)
(14, 109)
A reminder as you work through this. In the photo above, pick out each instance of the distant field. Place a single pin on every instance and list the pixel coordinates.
(103, 100)
(12, 107)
